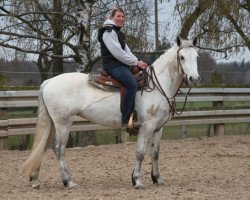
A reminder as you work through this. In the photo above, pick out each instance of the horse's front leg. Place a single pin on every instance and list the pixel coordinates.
(141, 149)
(154, 153)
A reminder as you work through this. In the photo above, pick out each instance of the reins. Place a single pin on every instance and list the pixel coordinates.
(157, 84)
(171, 100)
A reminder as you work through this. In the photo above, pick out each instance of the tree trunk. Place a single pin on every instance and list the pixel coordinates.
(58, 35)
(84, 138)
(44, 64)
(83, 17)
(156, 26)
(190, 19)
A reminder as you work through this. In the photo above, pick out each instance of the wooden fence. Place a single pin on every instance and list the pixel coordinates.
(217, 114)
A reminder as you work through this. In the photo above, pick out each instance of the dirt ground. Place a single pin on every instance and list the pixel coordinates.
(205, 168)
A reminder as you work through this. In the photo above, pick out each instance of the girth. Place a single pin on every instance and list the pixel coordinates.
(102, 80)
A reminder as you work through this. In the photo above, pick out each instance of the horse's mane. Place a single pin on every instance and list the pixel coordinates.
(169, 58)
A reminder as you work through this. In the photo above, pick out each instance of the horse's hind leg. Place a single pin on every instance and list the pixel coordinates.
(154, 153)
(61, 138)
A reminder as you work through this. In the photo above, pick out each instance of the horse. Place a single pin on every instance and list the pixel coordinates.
(67, 95)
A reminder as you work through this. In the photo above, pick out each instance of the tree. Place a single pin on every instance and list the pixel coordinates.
(156, 24)
(56, 30)
(48, 29)
(222, 26)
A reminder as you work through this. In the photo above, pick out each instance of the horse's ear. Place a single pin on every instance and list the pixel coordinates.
(178, 41)
(195, 41)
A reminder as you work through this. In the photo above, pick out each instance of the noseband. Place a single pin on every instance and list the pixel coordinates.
(181, 70)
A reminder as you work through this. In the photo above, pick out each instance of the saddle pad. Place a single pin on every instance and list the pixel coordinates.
(104, 86)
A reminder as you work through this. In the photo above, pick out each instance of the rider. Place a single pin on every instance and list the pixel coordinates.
(117, 58)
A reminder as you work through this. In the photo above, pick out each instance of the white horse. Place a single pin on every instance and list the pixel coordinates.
(70, 94)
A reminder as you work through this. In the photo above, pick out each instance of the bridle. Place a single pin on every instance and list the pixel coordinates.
(156, 84)
(151, 75)
(181, 70)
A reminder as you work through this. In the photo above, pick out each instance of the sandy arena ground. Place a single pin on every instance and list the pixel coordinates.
(206, 168)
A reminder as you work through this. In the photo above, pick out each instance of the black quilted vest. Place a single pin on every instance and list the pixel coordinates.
(108, 60)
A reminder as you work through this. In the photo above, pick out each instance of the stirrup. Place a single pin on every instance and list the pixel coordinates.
(133, 127)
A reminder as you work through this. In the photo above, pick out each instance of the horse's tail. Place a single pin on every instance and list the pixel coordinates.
(43, 129)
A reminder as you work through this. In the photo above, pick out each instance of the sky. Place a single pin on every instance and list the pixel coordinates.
(170, 27)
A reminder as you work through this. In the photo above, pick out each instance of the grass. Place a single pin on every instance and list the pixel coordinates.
(209, 105)
(21, 113)
(197, 131)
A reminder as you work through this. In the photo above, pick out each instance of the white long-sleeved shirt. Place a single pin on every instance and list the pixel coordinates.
(111, 41)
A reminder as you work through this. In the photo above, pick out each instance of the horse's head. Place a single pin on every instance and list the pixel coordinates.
(187, 60)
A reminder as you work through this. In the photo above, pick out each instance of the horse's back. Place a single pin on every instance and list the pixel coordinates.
(70, 79)
(71, 91)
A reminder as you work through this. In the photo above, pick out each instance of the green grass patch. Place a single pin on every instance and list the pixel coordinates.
(106, 137)
(21, 113)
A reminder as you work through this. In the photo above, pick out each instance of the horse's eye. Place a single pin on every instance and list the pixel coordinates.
(181, 57)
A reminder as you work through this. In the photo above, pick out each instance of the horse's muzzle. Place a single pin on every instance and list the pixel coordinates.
(193, 80)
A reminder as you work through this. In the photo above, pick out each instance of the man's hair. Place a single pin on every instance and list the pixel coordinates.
(114, 10)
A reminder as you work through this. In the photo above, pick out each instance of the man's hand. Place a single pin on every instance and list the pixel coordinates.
(142, 64)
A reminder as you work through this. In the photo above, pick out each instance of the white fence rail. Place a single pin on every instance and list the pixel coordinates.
(217, 114)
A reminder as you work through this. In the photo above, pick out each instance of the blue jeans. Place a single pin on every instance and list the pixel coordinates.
(124, 75)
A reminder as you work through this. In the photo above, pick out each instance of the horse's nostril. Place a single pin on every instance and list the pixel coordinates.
(196, 79)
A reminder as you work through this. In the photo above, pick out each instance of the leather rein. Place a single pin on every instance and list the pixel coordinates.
(171, 100)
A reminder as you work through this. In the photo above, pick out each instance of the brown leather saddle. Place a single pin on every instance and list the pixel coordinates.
(106, 82)
(102, 80)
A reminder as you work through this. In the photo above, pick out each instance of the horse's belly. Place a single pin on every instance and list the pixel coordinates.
(105, 112)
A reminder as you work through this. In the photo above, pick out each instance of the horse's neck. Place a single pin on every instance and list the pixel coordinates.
(167, 72)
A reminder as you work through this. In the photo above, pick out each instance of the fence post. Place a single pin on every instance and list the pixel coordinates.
(184, 132)
(3, 137)
(122, 136)
(219, 129)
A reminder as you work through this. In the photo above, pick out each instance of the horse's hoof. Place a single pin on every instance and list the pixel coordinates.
(72, 185)
(140, 187)
(36, 185)
(160, 183)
